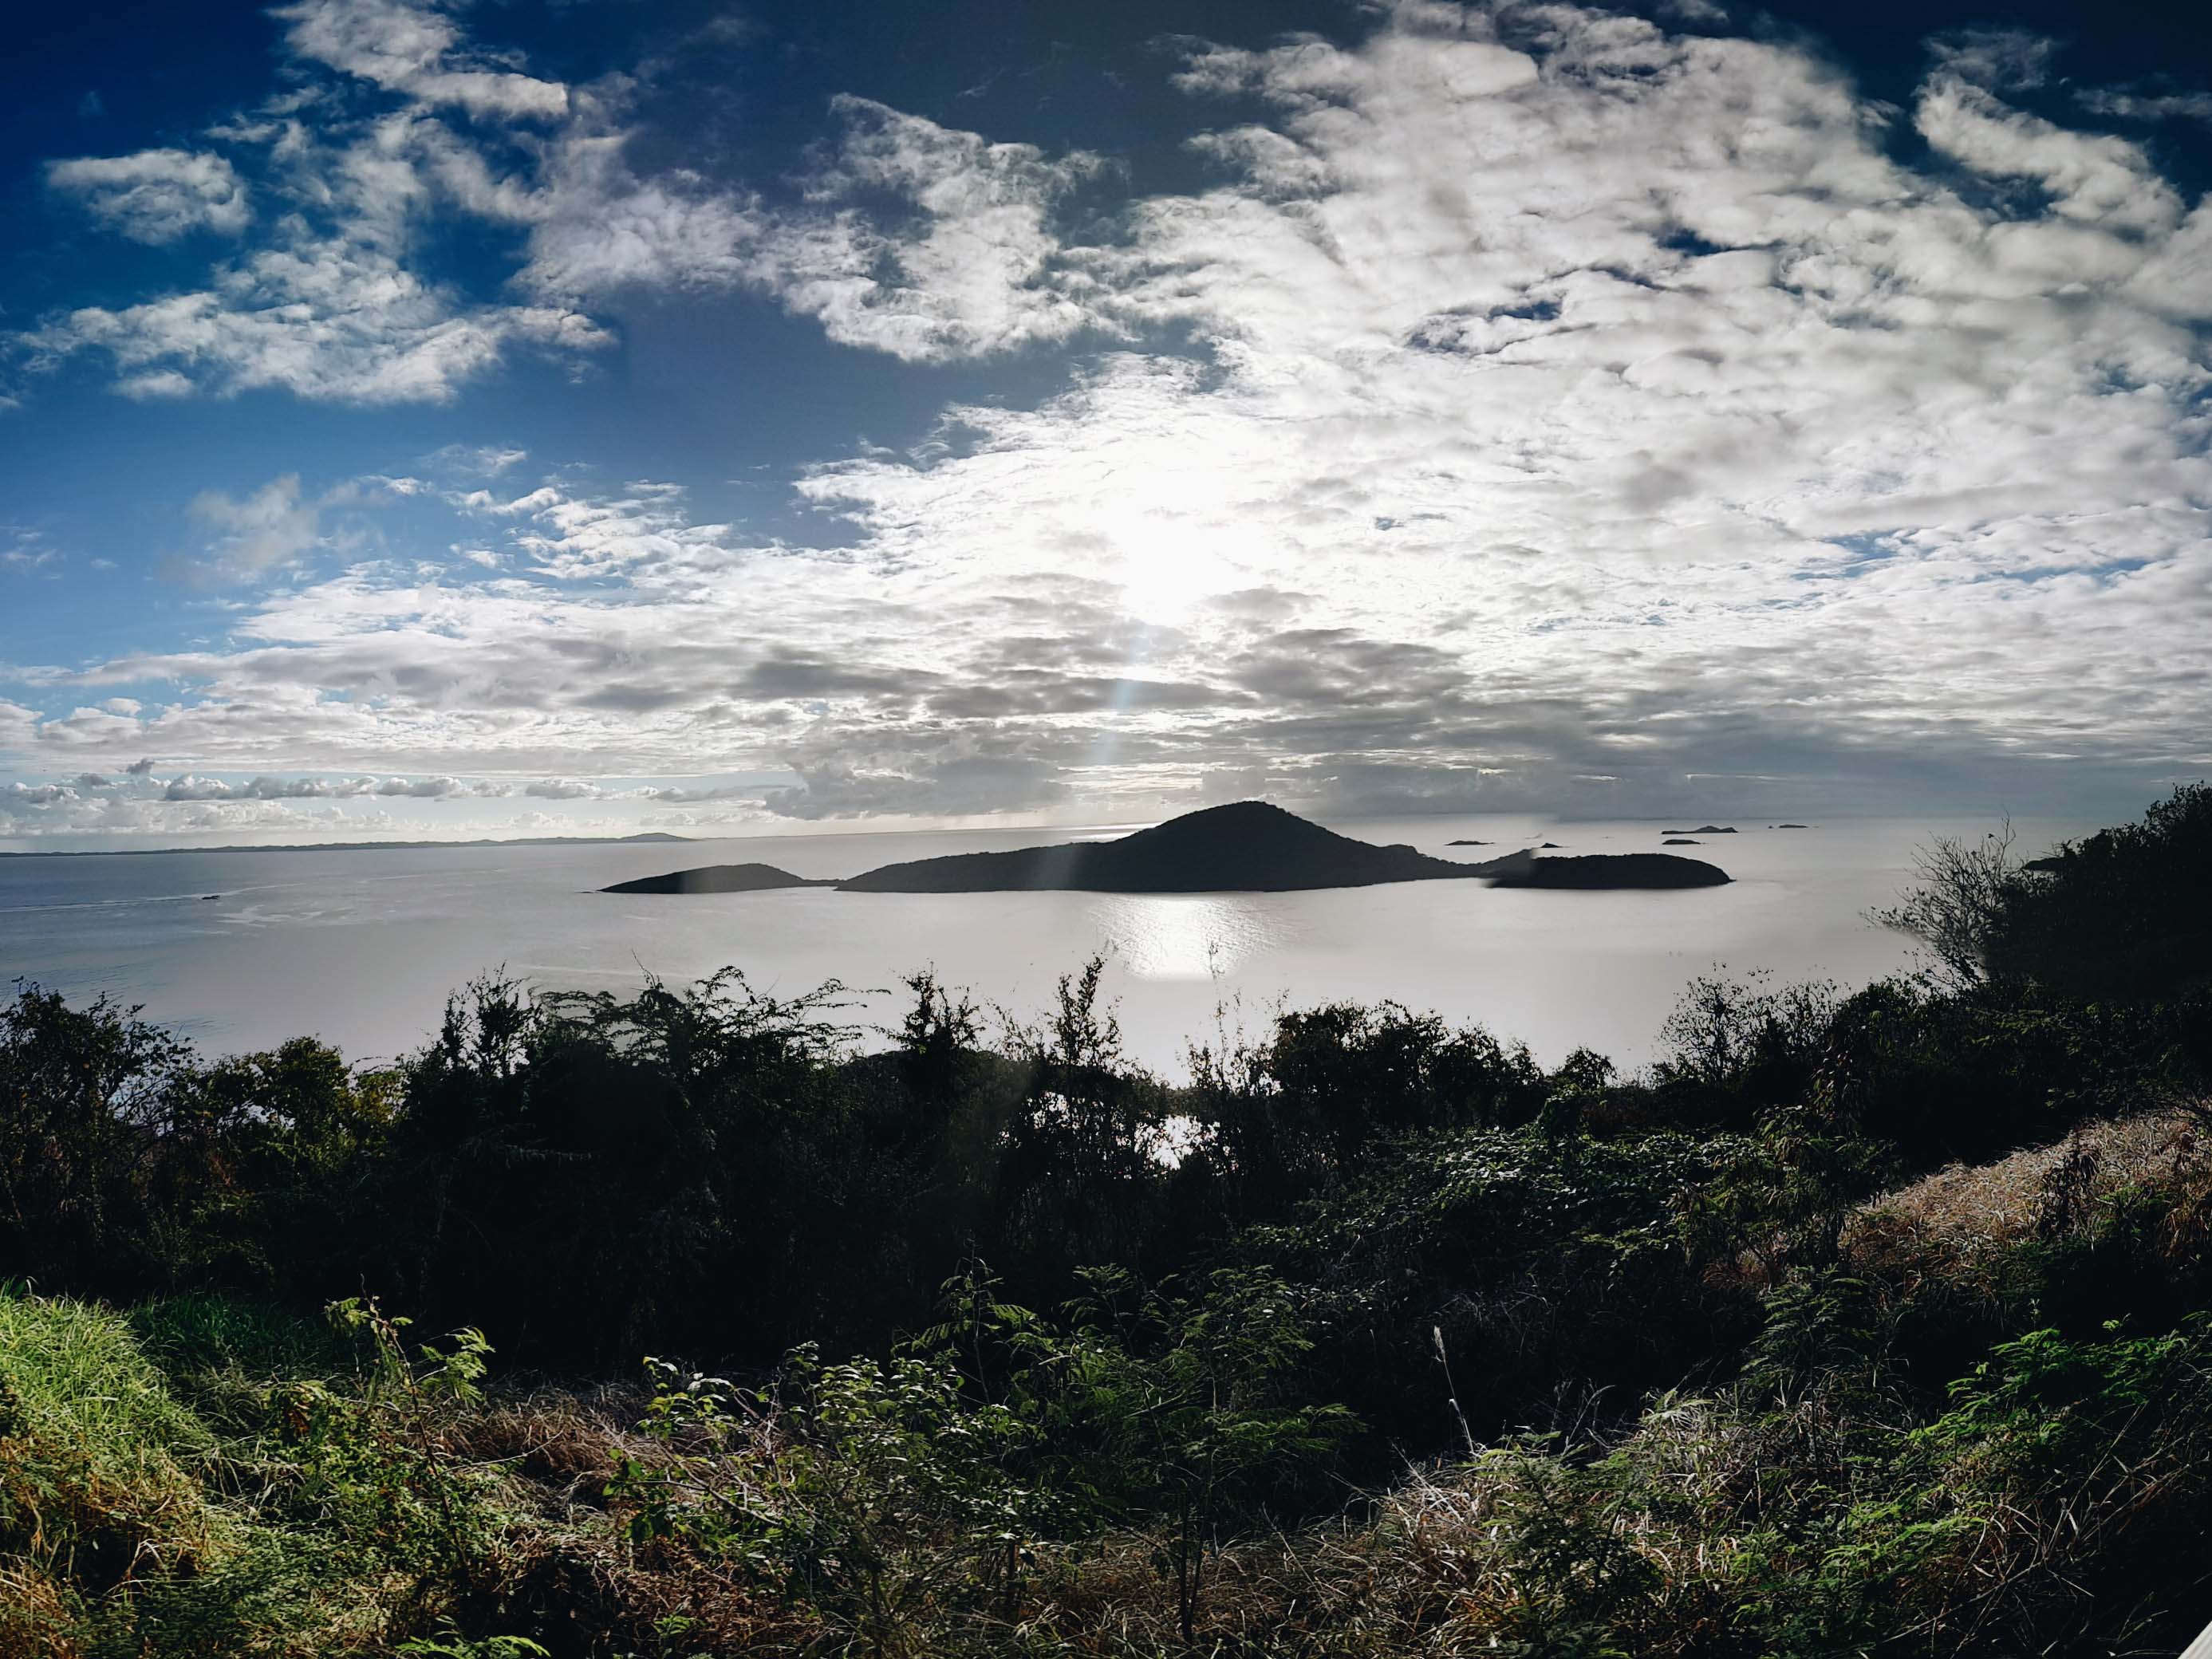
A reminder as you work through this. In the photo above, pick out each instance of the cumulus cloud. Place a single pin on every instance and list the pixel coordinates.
(917, 239)
(135, 805)
(324, 319)
(270, 526)
(596, 227)
(277, 524)
(417, 51)
(2103, 181)
(335, 303)
(574, 536)
(156, 195)
(964, 262)
(188, 786)
(969, 267)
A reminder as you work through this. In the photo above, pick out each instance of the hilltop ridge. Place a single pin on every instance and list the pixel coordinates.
(1245, 846)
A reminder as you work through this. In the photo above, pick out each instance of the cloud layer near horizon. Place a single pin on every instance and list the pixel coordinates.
(1542, 408)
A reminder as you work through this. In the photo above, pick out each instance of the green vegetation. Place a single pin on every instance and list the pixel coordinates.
(1866, 1323)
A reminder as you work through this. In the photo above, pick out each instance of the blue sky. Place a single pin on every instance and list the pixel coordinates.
(425, 420)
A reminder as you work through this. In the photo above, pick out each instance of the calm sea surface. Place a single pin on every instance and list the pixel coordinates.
(362, 947)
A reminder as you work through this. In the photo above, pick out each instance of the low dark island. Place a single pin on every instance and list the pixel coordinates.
(1703, 829)
(717, 879)
(1601, 870)
(1247, 847)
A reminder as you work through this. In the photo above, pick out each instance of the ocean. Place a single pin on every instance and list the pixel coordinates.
(362, 948)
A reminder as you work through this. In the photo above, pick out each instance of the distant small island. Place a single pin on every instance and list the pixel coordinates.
(1248, 847)
(1470, 844)
(1793, 826)
(1680, 841)
(1703, 829)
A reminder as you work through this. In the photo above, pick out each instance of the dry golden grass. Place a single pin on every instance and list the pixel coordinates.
(1965, 1217)
(561, 1447)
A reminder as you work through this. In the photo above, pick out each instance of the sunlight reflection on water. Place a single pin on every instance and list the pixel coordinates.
(1197, 938)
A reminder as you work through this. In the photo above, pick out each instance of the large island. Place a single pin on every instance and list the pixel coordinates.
(717, 879)
(1250, 847)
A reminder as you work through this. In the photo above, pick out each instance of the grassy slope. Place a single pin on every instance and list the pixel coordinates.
(197, 1478)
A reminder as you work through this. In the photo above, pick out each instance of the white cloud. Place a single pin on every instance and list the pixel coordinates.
(272, 526)
(323, 319)
(333, 304)
(250, 535)
(189, 787)
(135, 805)
(2139, 105)
(416, 51)
(971, 268)
(156, 195)
(967, 266)
(26, 552)
(2091, 179)
(596, 227)
(2001, 59)
(155, 383)
(18, 726)
(474, 461)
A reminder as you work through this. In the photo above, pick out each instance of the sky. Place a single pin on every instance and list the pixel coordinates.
(583, 416)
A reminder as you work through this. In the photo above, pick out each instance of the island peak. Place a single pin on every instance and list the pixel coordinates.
(1247, 845)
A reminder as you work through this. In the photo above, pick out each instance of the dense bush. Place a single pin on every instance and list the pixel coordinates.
(2125, 912)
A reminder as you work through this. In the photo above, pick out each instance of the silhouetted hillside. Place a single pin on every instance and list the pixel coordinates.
(1248, 847)
(716, 878)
